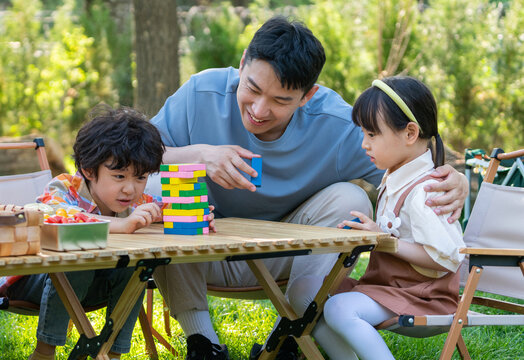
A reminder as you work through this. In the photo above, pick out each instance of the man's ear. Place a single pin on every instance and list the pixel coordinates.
(241, 65)
(412, 132)
(307, 96)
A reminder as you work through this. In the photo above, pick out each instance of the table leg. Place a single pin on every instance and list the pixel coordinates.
(290, 323)
(73, 307)
(99, 345)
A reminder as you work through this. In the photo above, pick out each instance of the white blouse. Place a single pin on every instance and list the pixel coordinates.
(417, 222)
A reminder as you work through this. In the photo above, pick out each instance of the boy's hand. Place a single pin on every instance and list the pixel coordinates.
(211, 219)
(365, 223)
(142, 216)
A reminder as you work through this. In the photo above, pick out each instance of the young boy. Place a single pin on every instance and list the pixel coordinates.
(114, 154)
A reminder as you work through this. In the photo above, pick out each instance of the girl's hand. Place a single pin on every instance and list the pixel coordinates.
(211, 219)
(365, 223)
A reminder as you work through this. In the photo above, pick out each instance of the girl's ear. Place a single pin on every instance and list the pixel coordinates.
(412, 132)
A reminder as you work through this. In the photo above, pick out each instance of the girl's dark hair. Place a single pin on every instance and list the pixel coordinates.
(294, 53)
(374, 104)
(123, 135)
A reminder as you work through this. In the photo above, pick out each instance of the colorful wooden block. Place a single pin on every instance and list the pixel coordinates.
(184, 200)
(176, 193)
(185, 225)
(185, 187)
(172, 180)
(182, 167)
(171, 218)
(183, 174)
(193, 212)
(190, 206)
(256, 163)
(200, 231)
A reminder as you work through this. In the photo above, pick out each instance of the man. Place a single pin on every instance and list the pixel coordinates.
(269, 107)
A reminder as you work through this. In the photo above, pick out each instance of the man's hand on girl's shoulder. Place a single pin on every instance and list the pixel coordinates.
(455, 187)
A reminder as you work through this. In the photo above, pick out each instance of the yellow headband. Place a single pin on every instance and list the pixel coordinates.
(397, 99)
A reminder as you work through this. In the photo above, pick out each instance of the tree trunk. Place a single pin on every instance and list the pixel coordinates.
(156, 48)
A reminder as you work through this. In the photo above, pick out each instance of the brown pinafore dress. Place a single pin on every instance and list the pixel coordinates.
(396, 285)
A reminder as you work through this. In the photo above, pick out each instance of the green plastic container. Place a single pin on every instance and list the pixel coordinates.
(71, 237)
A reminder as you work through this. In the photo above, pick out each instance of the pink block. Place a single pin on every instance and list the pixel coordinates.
(180, 174)
(205, 230)
(183, 199)
(191, 167)
(171, 218)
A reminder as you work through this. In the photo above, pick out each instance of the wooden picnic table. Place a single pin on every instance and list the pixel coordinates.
(236, 239)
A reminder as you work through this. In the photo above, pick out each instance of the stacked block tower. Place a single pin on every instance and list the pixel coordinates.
(188, 210)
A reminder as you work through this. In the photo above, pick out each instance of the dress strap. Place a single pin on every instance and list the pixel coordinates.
(406, 192)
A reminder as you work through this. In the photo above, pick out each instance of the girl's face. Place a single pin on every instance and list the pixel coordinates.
(115, 190)
(390, 149)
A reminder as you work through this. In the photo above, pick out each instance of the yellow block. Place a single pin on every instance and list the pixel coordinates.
(178, 187)
(182, 180)
(178, 212)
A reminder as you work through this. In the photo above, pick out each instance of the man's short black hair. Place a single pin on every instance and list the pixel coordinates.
(123, 135)
(295, 54)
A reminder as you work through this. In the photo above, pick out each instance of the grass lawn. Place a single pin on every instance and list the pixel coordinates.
(240, 323)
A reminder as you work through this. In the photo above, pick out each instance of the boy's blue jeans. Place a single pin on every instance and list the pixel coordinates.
(93, 287)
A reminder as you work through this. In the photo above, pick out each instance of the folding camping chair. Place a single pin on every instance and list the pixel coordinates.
(495, 251)
(21, 189)
(509, 172)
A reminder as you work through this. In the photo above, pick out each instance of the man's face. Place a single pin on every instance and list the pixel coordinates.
(265, 106)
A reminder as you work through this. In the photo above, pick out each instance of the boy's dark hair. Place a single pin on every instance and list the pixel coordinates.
(374, 104)
(123, 135)
(294, 53)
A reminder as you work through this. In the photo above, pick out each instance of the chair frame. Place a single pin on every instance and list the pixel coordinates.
(37, 144)
(464, 317)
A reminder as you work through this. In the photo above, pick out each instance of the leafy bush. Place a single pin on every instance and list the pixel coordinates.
(51, 73)
(212, 36)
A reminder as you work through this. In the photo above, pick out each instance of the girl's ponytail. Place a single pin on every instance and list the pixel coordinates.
(438, 154)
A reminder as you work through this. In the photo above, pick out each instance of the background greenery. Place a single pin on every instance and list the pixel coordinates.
(60, 58)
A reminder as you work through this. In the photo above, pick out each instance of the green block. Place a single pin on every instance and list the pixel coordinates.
(199, 192)
(192, 206)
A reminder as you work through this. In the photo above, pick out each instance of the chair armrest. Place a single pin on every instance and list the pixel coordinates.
(492, 251)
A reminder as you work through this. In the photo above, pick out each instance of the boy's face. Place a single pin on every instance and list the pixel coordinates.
(115, 190)
(265, 106)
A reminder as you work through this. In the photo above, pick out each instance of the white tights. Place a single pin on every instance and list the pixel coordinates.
(346, 330)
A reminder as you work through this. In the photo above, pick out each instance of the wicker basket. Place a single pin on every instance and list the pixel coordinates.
(19, 230)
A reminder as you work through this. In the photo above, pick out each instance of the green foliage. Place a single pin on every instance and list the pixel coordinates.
(213, 36)
(117, 62)
(472, 59)
(469, 52)
(51, 75)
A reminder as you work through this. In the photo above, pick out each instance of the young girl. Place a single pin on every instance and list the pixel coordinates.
(398, 117)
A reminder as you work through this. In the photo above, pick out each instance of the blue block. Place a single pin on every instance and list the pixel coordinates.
(256, 163)
(190, 225)
(183, 231)
(355, 220)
